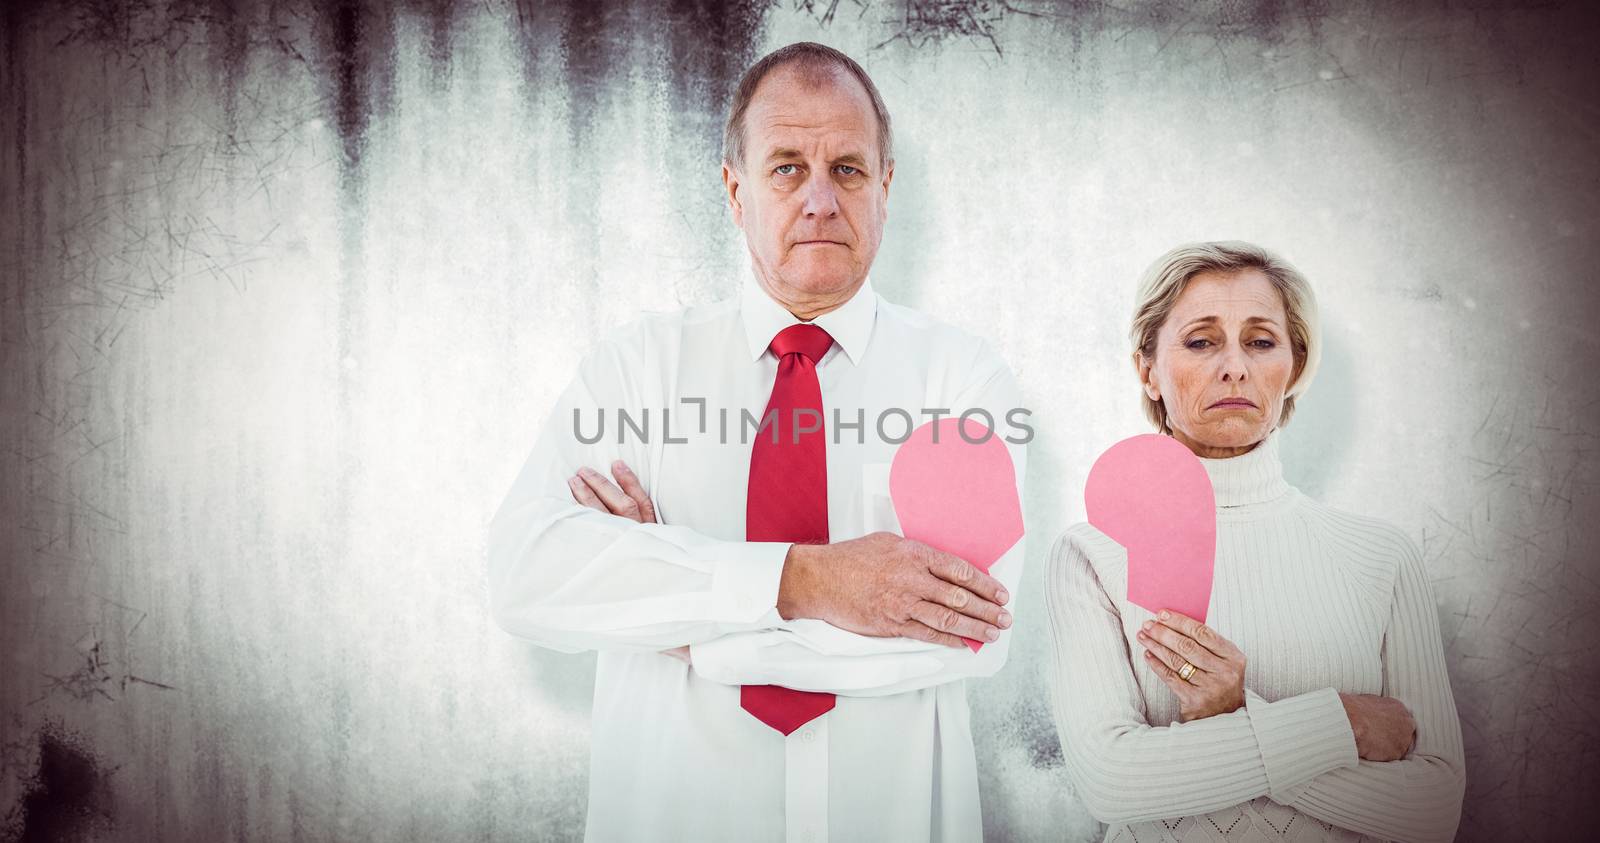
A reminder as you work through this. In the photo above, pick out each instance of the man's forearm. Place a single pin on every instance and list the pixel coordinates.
(798, 583)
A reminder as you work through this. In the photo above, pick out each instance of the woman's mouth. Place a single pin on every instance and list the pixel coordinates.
(1234, 404)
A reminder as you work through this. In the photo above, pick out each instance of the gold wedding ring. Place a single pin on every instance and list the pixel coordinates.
(1186, 671)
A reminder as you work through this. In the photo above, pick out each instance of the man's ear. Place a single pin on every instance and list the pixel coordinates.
(1143, 366)
(730, 180)
(888, 176)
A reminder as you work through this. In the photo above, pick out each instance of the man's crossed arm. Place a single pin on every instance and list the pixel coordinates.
(879, 585)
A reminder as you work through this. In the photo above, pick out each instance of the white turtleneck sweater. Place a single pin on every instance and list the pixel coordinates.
(1320, 601)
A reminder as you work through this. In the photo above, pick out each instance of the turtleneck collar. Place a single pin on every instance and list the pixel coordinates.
(1253, 477)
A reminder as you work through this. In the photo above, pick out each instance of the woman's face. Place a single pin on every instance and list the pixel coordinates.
(1222, 363)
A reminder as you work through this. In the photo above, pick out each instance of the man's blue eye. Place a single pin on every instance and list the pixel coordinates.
(784, 169)
(848, 170)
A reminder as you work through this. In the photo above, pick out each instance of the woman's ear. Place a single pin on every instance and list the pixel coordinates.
(1294, 377)
(1143, 365)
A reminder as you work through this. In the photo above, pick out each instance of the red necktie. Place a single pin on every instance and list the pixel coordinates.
(788, 495)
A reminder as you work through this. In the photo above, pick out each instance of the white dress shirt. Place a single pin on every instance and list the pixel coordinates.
(673, 756)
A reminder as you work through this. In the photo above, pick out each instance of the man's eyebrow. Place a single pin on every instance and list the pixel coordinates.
(783, 153)
(852, 159)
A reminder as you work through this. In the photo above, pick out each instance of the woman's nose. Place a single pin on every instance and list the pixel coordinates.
(1233, 365)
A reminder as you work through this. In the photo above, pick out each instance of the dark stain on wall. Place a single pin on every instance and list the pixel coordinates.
(68, 797)
(22, 228)
(227, 32)
(1035, 729)
(588, 29)
(356, 60)
(441, 17)
(712, 44)
(356, 45)
(587, 54)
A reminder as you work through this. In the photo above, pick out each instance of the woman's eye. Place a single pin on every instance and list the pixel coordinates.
(1198, 343)
(1264, 343)
(785, 169)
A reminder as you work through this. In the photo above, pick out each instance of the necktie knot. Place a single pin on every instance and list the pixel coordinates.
(804, 338)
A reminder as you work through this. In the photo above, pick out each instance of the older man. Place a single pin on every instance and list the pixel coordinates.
(774, 662)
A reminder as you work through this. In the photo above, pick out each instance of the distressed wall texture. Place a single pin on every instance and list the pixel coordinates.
(287, 288)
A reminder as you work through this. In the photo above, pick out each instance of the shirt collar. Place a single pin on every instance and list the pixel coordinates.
(850, 324)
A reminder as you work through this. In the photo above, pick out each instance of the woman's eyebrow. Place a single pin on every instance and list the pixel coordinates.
(1201, 320)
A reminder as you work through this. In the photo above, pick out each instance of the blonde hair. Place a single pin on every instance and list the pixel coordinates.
(1166, 279)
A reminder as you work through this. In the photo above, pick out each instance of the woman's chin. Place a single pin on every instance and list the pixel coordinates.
(1231, 434)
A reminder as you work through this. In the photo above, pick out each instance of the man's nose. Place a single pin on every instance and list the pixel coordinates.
(820, 198)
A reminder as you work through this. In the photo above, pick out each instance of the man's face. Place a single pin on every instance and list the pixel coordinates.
(809, 195)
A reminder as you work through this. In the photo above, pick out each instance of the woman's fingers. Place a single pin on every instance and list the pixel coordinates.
(1184, 646)
(1165, 655)
(1198, 632)
(1178, 684)
(634, 489)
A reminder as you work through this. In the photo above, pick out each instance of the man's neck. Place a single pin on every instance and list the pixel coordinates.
(806, 306)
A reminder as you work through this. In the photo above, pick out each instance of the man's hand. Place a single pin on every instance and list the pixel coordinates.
(887, 586)
(592, 489)
(1383, 726)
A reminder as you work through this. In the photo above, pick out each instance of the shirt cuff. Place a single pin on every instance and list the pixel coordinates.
(728, 660)
(1301, 737)
(745, 577)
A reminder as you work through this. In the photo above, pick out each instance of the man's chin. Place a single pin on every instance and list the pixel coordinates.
(821, 278)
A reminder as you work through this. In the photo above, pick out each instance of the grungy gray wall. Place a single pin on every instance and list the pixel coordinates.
(288, 287)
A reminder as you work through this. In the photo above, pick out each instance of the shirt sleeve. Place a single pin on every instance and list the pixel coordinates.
(1418, 797)
(1126, 770)
(572, 578)
(812, 655)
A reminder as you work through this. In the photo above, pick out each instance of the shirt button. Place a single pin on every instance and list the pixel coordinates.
(808, 735)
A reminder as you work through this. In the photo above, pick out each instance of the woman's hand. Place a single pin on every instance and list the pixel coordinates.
(1215, 686)
(592, 489)
(1384, 727)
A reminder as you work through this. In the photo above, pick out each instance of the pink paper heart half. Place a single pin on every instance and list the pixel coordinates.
(1151, 494)
(954, 488)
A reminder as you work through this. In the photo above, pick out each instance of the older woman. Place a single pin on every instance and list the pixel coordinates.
(1314, 704)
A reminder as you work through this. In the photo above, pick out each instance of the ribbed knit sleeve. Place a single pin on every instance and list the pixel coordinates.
(1126, 770)
(1419, 797)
